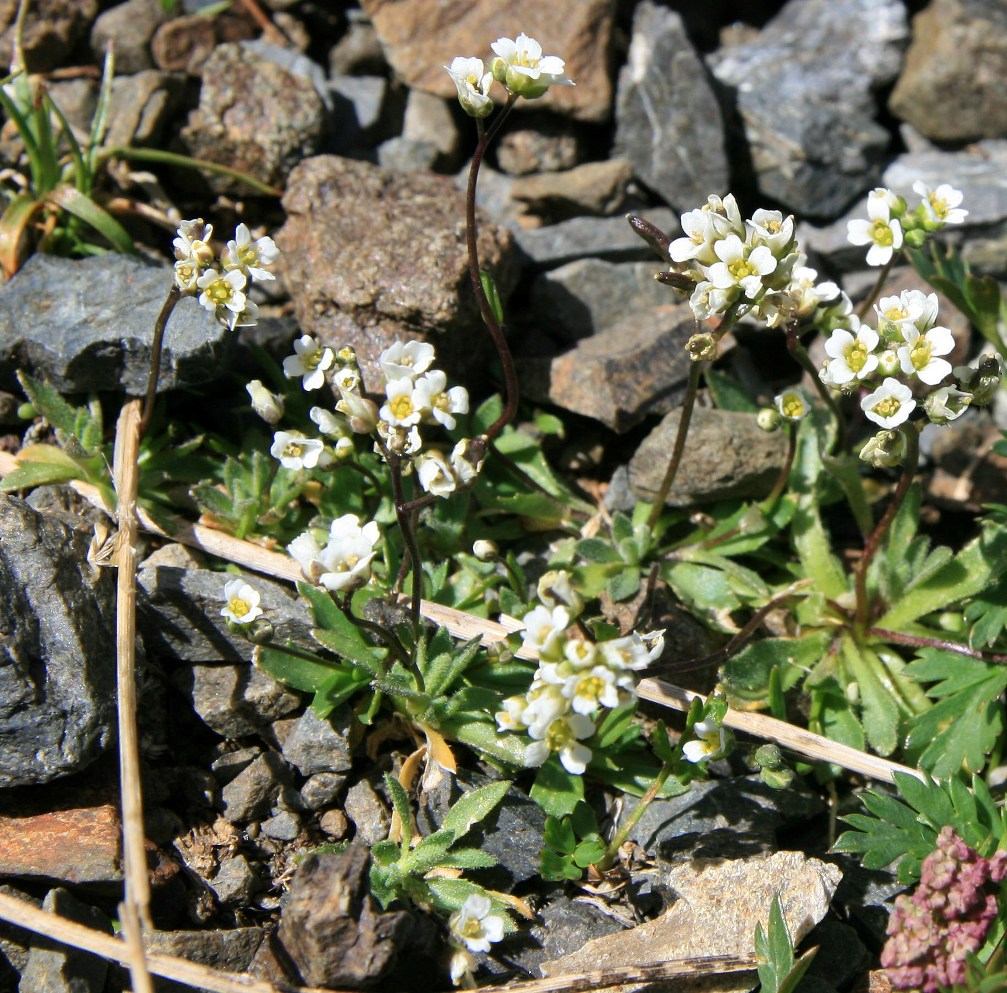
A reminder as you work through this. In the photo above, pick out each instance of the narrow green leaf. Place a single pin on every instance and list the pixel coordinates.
(83, 207)
(474, 806)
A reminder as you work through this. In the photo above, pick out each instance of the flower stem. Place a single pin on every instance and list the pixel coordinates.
(485, 309)
(801, 357)
(156, 347)
(688, 404)
(912, 436)
(865, 307)
(627, 827)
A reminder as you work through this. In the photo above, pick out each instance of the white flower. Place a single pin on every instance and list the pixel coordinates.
(346, 559)
(563, 735)
(222, 291)
(473, 85)
(442, 403)
(707, 300)
(435, 474)
(882, 232)
(890, 404)
(554, 587)
(250, 256)
(247, 317)
(919, 354)
(544, 629)
(475, 924)
(545, 704)
(631, 653)
(911, 308)
(328, 423)
(522, 68)
(697, 243)
(710, 742)
(407, 359)
(193, 243)
(361, 414)
(589, 691)
(307, 553)
(241, 602)
(885, 450)
(741, 265)
(346, 379)
(941, 204)
(187, 273)
(404, 405)
(269, 406)
(852, 357)
(397, 439)
(511, 718)
(806, 293)
(296, 451)
(791, 405)
(946, 404)
(772, 229)
(464, 469)
(309, 361)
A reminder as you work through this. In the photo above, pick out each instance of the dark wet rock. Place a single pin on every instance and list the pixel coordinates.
(131, 25)
(539, 143)
(57, 649)
(252, 792)
(180, 616)
(253, 116)
(235, 700)
(817, 153)
(951, 86)
(53, 967)
(320, 744)
(589, 295)
(14, 941)
(592, 188)
(610, 239)
(141, 107)
(86, 324)
(321, 789)
(668, 118)
(367, 810)
(512, 833)
(235, 882)
(65, 504)
(52, 29)
(618, 376)
(331, 928)
(369, 272)
(580, 33)
(841, 958)
(727, 456)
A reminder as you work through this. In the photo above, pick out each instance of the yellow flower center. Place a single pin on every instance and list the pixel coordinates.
(919, 354)
(293, 450)
(311, 359)
(220, 292)
(939, 205)
(592, 687)
(559, 735)
(883, 234)
(402, 407)
(202, 252)
(740, 268)
(896, 313)
(238, 607)
(888, 407)
(793, 405)
(856, 356)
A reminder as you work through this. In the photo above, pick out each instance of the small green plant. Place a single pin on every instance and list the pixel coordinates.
(779, 971)
(571, 843)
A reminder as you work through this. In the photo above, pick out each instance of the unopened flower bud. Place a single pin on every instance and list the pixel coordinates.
(485, 550)
(269, 406)
(946, 404)
(259, 632)
(888, 363)
(361, 413)
(885, 450)
(554, 589)
(702, 347)
(983, 381)
(768, 418)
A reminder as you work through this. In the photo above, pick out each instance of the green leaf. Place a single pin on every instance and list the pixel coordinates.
(49, 403)
(447, 667)
(700, 586)
(597, 550)
(294, 670)
(338, 688)
(747, 674)
(83, 207)
(879, 712)
(40, 465)
(555, 790)
(429, 853)
(624, 584)
(987, 614)
(474, 806)
(728, 393)
(774, 951)
(468, 858)
(400, 803)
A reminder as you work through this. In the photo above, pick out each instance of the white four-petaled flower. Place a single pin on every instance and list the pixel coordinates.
(942, 204)
(249, 256)
(882, 231)
(851, 356)
(241, 602)
(296, 451)
(710, 742)
(309, 361)
(890, 404)
(473, 85)
(920, 354)
(524, 70)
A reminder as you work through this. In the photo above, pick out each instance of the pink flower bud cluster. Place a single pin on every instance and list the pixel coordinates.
(932, 932)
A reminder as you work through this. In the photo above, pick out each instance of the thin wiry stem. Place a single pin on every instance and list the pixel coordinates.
(865, 307)
(800, 355)
(157, 344)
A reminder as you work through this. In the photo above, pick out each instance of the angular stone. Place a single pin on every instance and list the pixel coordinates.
(321, 790)
(817, 153)
(231, 949)
(592, 188)
(668, 119)
(52, 29)
(131, 25)
(370, 272)
(579, 32)
(253, 116)
(86, 324)
(429, 119)
(539, 143)
(235, 882)
(320, 744)
(141, 107)
(618, 376)
(368, 812)
(284, 826)
(951, 87)
(718, 903)
(251, 793)
(57, 649)
(361, 111)
(727, 456)
(588, 295)
(183, 44)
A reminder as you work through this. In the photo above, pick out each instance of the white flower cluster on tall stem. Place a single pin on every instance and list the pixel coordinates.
(221, 283)
(518, 65)
(576, 679)
(344, 562)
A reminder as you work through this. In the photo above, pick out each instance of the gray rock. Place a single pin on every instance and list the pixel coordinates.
(184, 44)
(805, 94)
(429, 119)
(141, 107)
(321, 790)
(292, 61)
(727, 456)
(131, 25)
(253, 116)
(618, 376)
(86, 324)
(15, 942)
(408, 155)
(57, 649)
(951, 87)
(540, 143)
(77, 100)
(180, 616)
(668, 119)
(230, 764)
(251, 793)
(361, 111)
(335, 824)
(320, 744)
(592, 188)
(610, 239)
(841, 958)
(53, 967)
(368, 812)
(235, 700)
(370, 272)
(585, 296)
(232, 949)
(359, 51)
(284, 826)
(235, 882)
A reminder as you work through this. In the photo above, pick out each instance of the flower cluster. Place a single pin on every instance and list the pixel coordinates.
(473, 928)
(890, 225)
(221, 283)
(932, 932)
(519, 66)
(575, 680)
(344, 562)
(903, 363)
(745, 266)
